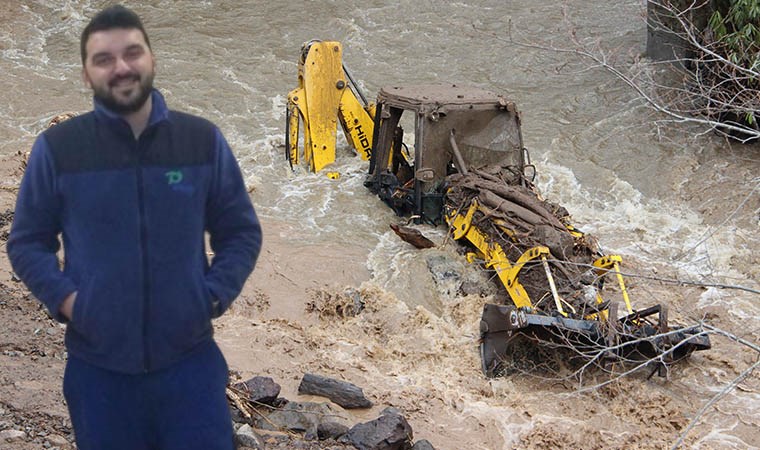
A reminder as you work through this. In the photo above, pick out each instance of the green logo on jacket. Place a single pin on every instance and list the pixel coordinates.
(173, 176)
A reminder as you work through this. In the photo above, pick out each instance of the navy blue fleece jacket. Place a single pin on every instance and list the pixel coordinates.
(132, 215)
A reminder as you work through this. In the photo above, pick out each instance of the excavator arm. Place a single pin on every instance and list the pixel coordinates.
(326, 94)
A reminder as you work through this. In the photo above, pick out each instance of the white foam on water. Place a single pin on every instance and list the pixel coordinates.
(229, 75)
(387, 262)
(326, 209)
(279, 105)
(742, 306)
(627, 222)
(722, 437)
(732, 411)
(510, 421)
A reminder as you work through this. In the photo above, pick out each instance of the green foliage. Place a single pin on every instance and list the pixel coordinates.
(736, 25)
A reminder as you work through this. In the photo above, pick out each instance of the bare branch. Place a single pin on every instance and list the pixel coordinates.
(730, 387)
(714, 91)
(730, 216)
(733, 337)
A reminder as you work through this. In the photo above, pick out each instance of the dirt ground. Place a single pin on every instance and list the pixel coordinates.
(32, 355)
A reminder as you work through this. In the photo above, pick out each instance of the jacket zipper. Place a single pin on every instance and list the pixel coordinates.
(144, 255)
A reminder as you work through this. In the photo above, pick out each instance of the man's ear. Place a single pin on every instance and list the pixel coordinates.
(86, 79)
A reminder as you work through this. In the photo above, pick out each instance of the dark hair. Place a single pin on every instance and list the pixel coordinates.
(116, 16)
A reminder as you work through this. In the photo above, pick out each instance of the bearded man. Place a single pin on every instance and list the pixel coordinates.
(132, 188)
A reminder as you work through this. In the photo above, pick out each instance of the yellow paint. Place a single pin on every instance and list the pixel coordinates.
(604, 263)
(322, 98)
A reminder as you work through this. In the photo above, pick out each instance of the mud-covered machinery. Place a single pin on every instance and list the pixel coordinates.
(470, 170)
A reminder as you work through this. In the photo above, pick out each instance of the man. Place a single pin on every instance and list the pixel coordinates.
(131, 188)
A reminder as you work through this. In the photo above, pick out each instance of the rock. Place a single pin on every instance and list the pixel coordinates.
(330, 430)
(11, 435)
(391, 410)
(246, 437)
(470, 287)
(387, 432)
(447, 274)
(259, 390)
(560, 243)
(237, 416)
(57, 440)
(423, 444)
(342, 393)
(300, 417)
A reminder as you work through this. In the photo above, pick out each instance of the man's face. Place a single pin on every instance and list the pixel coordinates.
(119, 69)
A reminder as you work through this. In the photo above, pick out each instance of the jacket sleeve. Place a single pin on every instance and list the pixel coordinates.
(33, 240)
(234, 229)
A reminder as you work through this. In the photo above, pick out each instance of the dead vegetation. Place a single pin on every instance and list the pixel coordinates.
(511, 212)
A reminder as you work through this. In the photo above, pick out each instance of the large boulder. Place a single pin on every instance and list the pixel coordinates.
(342, 393)
(259, 390)
(390, 431)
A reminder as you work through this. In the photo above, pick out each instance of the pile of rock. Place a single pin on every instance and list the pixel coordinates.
(266, 420)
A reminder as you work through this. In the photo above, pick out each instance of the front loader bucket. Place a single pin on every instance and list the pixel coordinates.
(496, 328)
(631, 339)
(639, 339)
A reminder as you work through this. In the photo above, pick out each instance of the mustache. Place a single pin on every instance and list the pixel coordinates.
(120, 78)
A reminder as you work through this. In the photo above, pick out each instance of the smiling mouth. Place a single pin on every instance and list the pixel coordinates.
(124, 81)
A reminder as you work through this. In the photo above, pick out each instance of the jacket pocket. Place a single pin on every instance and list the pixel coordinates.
(189, 312)
(84, 320)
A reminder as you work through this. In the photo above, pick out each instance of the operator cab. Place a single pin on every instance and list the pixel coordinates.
(457, 129)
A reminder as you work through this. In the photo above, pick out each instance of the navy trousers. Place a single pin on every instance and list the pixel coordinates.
(183, 407)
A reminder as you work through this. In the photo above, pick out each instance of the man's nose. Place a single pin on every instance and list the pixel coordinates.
(121, 66)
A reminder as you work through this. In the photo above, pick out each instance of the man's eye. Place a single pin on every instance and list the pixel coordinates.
(102, 60)
(133, 53)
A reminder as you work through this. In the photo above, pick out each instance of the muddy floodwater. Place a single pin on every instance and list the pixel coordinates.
(675, 202)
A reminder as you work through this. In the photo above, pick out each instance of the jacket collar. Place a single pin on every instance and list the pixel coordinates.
(159, 111)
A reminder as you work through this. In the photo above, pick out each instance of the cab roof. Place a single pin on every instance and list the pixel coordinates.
(425, 97)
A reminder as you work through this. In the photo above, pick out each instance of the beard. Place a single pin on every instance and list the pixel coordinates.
(133, 102)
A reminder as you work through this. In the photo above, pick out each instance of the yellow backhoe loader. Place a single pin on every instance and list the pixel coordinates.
(469, 169)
